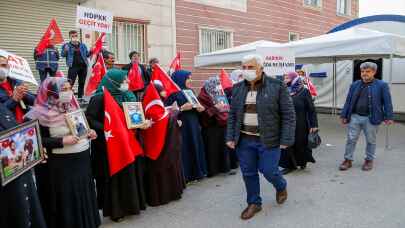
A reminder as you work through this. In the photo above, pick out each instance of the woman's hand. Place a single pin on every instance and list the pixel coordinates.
(200, 108)
(70, 140)
(91, 134)
(146, 125)
(187, 106)
(313, 130)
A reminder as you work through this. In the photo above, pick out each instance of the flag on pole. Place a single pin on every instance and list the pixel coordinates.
(155, 136)
(225, 80)
(122, 146)
(98, 45)
(135, 78)
(311, 87)
(52, 36)
(98, 72)
(159, 74)
(175, 65)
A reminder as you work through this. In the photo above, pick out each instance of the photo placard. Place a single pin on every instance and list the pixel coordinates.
(78, 124)
(134, 114)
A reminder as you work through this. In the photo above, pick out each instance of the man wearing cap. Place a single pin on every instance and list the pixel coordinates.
(368, 104)
(261, 122)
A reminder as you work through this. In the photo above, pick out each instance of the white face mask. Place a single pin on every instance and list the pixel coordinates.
(249, 75)
(124, 87)
(3, 73)
(65, 96)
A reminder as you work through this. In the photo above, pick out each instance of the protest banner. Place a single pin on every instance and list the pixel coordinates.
(277, 60)
(19, 67)
(94, 19)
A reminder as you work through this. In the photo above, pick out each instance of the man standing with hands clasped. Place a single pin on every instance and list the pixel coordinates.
(367, 105)
(261, 122)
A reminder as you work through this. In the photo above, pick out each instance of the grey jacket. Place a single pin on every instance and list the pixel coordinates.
(276, 114)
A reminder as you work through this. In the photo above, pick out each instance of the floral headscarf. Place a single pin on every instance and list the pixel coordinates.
(47, 109)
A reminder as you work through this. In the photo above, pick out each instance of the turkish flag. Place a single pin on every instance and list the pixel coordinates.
(98, 72)
(135, 78)
(155, 136)
(175, 65)
(159, 74)
(122, 146)
(51, 36)
(311, 87)
(225, 80)
(98, 45)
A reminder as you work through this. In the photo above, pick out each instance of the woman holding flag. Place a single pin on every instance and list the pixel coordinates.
(116, 166)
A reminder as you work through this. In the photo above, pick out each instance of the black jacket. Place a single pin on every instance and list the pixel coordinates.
(276, 115)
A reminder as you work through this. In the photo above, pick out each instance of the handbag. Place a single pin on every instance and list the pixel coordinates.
(314, 140)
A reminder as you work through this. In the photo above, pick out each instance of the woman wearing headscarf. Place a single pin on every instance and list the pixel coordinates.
(213, 123)
(193, 155)
(122, 194)
(20, 206)
(164, 180)
(306, 121)
(65, 182)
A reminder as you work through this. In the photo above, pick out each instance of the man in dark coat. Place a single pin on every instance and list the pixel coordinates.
(261, 122)
(135, 58)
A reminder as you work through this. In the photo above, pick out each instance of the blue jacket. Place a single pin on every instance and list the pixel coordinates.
(70, 53)
(47, 60)
(380, 103)
(11, 104)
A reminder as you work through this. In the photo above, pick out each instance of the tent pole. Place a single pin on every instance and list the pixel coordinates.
(387, 128)
(334, 109)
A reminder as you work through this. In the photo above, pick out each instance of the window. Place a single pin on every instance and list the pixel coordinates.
(126, 37)
(313, 3)
(214, 40)
(344, 7)
(292, 36)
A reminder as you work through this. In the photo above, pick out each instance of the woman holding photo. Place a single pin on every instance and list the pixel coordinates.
(193, 155)
(65, 182)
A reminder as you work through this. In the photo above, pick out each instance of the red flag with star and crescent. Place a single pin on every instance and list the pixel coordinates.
(51, 36)
(135, 78)
(225, 80)
(159, 74)
(122, 146)
(98, 45)
(155, 136)
(97, 73)
(176, 64)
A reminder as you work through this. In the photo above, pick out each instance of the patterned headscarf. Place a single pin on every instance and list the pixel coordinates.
(211, 87)
(47, 109)
(296, 83)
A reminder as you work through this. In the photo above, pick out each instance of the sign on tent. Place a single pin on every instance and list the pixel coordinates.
(277, 61)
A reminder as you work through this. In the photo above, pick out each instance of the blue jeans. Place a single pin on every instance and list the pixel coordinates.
(356, 125)
(254, 156)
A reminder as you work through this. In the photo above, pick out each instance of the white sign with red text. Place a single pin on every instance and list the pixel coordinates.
(94, 19)
(19, 67)
(277, 60)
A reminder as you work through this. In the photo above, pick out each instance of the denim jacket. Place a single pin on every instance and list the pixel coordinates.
(70, 53)
(380, 103)
(47, 60)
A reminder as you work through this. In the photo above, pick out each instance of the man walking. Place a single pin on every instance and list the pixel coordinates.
(76, 54)
(261, 122)
(367, 105)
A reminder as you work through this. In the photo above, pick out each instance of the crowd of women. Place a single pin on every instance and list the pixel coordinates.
(74, 183)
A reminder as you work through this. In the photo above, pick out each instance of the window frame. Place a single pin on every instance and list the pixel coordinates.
(293, 33)
(144, 47)
(200, 30)
(348, 8)
(319, 8)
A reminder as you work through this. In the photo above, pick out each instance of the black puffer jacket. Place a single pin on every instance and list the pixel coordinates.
(276, 115)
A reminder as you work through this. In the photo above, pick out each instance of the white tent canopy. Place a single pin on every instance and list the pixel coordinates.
(231, 55)
(345, 44)
(348, 44)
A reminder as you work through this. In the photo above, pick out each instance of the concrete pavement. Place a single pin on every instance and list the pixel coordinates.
(319, 197)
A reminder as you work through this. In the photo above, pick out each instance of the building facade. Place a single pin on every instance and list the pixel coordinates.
(209, 25)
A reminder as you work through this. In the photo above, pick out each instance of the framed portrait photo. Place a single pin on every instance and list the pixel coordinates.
(20, 150)
(191, 97)
(134, 115)
(221, 99)
(77, 123)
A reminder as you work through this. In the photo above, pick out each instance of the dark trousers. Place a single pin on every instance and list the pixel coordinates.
(73, 72)
(255, 157)
(44, 73)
